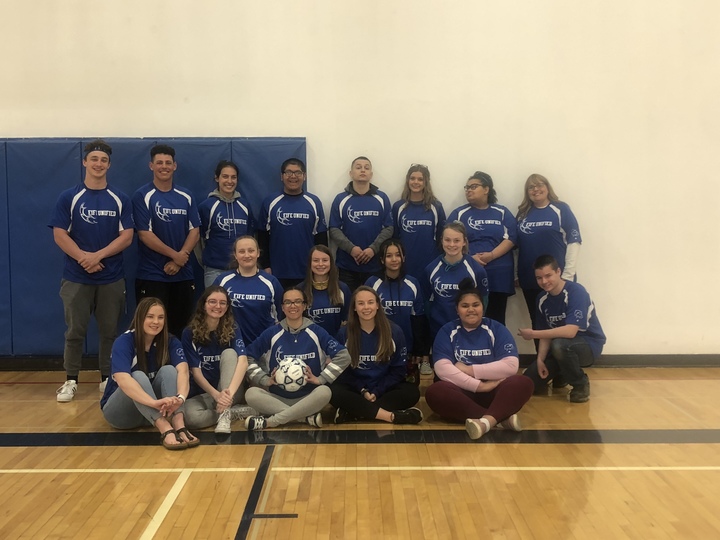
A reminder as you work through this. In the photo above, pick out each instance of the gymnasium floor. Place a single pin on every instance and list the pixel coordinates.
(640, 460)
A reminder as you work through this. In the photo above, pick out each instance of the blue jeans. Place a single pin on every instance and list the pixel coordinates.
(566, 358)
(121, 412)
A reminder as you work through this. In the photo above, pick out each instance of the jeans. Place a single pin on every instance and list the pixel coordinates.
(567, 357)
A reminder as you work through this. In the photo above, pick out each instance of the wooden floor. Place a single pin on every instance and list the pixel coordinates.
(640, 460)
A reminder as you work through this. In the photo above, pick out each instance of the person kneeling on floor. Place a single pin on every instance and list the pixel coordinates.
(569, 331)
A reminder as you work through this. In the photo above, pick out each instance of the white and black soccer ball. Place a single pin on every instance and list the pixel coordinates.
(290, 374)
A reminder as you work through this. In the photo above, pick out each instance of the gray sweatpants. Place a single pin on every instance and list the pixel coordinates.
(80, 301)
(121, 412)
(284, 410)
(200, 410)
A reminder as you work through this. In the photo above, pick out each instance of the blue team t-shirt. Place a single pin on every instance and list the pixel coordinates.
(544, 231)
(420, 232)
(572, 305)
(401, 300)
(323, 313)
(256, 301)
(171, 215)
(292, 221)
(206, 357)
(486, 228)
(93, 218)
(489, 342)
(123, 359)
(360, 218)
(377, 377)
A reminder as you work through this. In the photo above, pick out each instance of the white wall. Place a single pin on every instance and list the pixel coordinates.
(615, 102)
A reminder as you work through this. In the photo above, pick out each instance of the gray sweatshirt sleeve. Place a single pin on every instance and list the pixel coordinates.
(384, 235)
(340, 240)
(256, 374)
(335, 367)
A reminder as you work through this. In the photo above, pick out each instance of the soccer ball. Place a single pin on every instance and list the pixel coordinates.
(290, 374)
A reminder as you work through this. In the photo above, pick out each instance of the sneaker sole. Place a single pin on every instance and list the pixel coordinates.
(474, 430)
(65, 399)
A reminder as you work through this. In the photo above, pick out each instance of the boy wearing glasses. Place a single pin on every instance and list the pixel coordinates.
(291, 223)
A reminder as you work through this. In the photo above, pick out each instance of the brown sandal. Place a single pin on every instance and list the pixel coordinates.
(192, 441)
(182, 446)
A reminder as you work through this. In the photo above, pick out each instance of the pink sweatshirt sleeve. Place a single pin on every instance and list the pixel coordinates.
(492, 371)
(447, 371)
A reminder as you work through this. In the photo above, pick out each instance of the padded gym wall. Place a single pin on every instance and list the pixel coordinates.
(33, 172)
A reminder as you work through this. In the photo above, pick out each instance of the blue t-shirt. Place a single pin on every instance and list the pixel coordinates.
(420, 231)
(221, 223)
(93, 218)
(292, 222)
(360, 218)
(544, 231)
(440, 287)
(401, 300)
(489, 342)
(313, 345)
(572, 305)
(376, 377)
(256, 301)
(171, 215)
(323, 313)
(486, 228)
(207, 357)
(123, 359)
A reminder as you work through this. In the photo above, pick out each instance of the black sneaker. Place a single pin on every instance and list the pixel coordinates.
(579, 394)
(413, 415)
(342, 417)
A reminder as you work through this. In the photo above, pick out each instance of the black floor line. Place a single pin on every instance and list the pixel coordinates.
(379, 436)
(254, 496)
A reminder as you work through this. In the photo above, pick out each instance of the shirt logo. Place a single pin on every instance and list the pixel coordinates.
(526, 227)
(444, 289)
(285, 218)
(356, 216)
(163, 214)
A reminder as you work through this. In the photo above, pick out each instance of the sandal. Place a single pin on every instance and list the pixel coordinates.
(182, 446)
(192, 439)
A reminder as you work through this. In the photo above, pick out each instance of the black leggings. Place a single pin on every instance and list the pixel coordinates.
(402, 396)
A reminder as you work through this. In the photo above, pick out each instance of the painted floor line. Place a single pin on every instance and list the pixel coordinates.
(491, 469)
(166, 505)
(110, 471)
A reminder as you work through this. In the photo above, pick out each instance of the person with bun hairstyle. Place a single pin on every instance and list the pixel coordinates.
(328, 297)
(418, 221)
(476, 360)
(224, 216)
(149, 378)
(374, 387)
(216, 354)
(295, 338)
(492, 233)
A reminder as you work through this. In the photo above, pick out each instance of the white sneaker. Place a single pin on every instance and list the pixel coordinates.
(315, 420)
(67, 391)
(238, 412)
(223, 423)
(426, 368)
(512, 423)
(102, 386)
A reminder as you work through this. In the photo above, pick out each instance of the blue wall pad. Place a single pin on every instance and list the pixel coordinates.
(33, 172)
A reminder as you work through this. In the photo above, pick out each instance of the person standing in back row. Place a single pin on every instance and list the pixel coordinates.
(167, 221)
(92, 224)
(360, 220)
(291, 223)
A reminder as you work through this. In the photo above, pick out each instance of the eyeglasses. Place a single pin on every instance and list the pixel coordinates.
(213, 302)
(293, 174)
(472, 187)
(293, 302)
(536, 186)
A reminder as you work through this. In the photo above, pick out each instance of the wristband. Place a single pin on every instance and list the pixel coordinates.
(182, 398)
